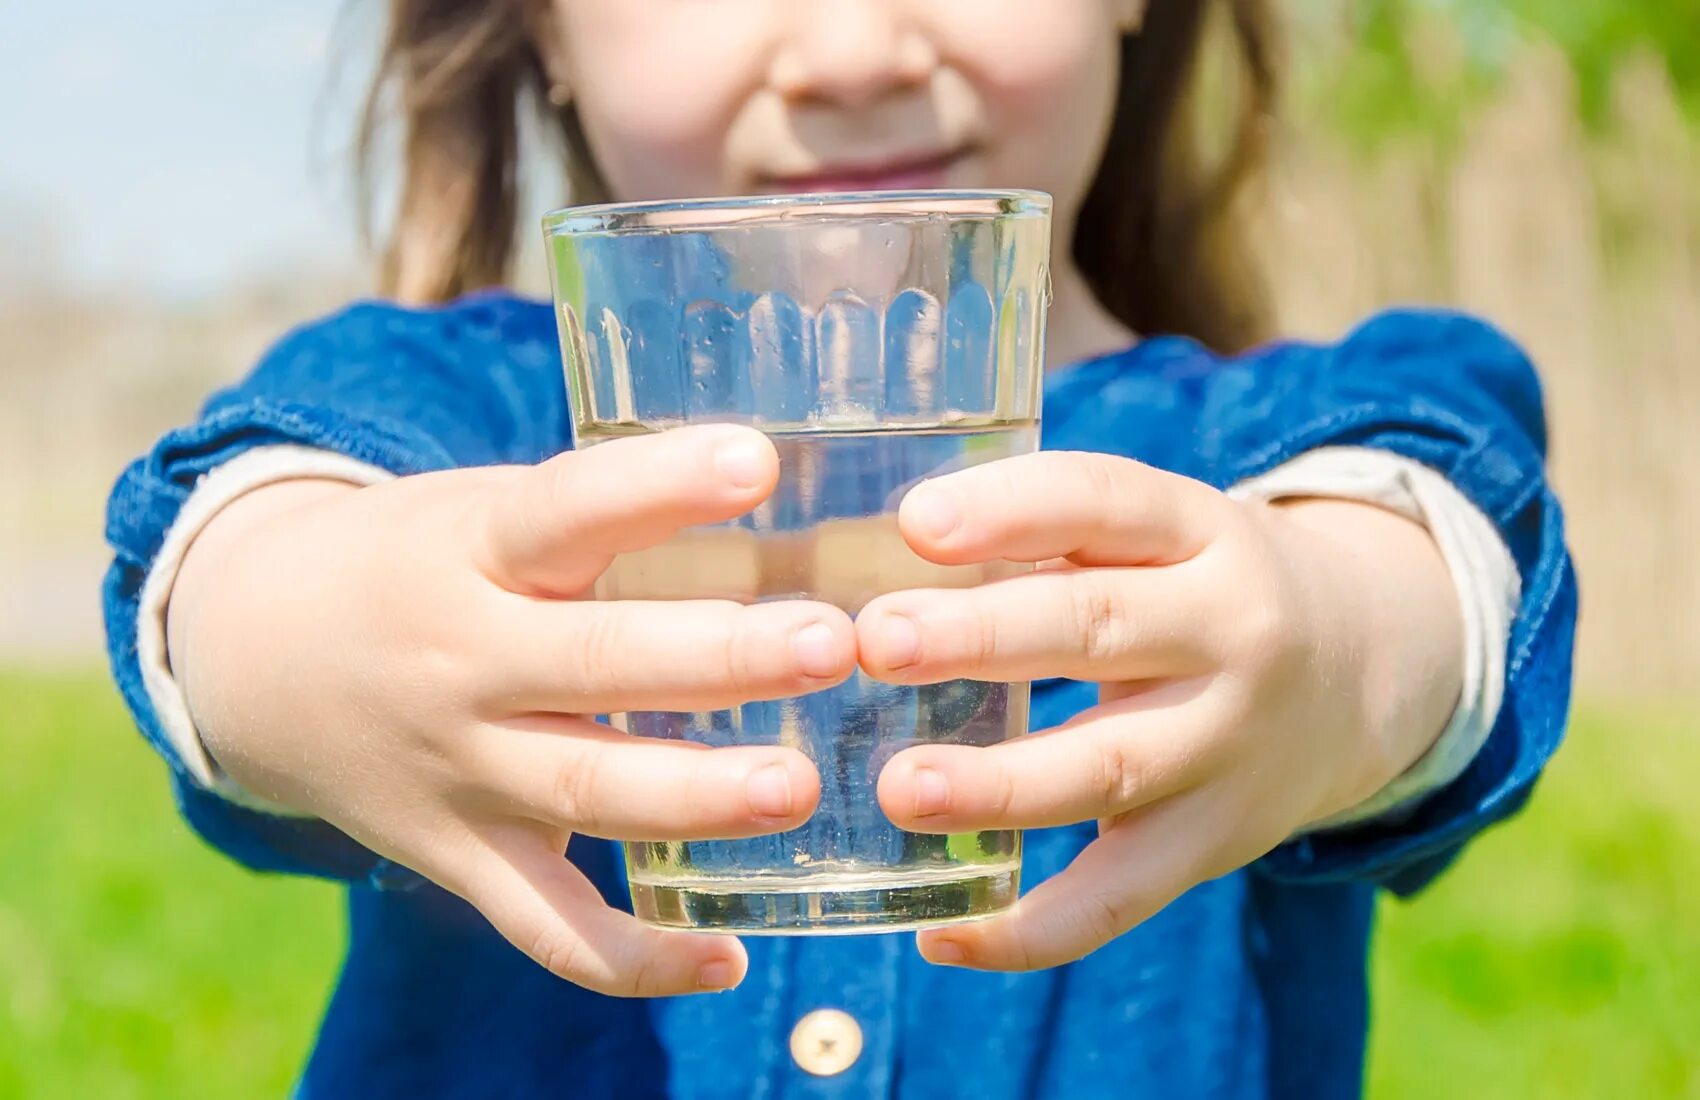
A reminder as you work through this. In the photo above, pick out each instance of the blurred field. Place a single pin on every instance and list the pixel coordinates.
(1585, 246)
(134, 962)
(1560, 960)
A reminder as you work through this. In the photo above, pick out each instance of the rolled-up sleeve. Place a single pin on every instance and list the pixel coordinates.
(398, 390)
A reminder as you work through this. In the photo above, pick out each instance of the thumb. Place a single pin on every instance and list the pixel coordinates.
(553, 528)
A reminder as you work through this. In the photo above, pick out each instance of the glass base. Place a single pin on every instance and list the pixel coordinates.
(828, 905)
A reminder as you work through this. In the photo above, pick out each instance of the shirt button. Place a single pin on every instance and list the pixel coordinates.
(826, 1042)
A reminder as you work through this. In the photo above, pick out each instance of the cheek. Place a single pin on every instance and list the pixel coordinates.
(1046, 90)
(1028, 58)
(657, 95)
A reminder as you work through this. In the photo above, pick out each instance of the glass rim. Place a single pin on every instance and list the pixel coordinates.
(727, 212)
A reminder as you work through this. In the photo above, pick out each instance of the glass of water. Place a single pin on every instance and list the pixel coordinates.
(878, 339)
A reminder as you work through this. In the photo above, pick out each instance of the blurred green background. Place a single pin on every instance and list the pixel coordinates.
(1536, 160)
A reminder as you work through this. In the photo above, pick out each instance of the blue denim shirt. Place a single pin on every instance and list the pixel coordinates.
(1248, 986)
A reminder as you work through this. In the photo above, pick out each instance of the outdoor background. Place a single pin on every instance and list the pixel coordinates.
(171, 199)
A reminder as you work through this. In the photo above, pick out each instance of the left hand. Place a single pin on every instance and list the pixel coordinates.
(1259, 668)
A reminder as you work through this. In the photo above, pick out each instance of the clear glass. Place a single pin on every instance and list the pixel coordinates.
(878, 339)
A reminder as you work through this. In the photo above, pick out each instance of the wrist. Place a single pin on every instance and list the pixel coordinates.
(1391, 603)
(208, 619)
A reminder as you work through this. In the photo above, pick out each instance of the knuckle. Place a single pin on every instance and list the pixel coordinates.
(1099, 921)
(1251, 615)
(434, 666)
(1257, 610)
(522, 516)
(1011, 474)
(560, 953)
(981, 635)
(1118, 777)
(1104, 918)
(1261, 638)
(737, 651)
(485, 682)
(591, 659)
(1020, 947)
(645, 979)
(1003, 793)
(1099, 620)
(576, 787)
(1102, 475)
(559, 486)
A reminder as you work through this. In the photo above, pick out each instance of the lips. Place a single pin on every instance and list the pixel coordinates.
(904, 173)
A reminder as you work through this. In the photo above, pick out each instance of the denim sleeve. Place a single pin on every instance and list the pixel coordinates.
(1445, 390)
(409, 391)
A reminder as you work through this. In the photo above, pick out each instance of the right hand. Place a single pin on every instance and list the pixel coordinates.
(416, 663)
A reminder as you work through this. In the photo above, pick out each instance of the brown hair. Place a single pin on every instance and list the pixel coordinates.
(1157, 238)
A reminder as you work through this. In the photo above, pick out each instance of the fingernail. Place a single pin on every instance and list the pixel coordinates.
(946, 952)
(718, 974)
(769, 790)
(933, 512)
(742, 461)
(932, 792)
(817, 651)
(900, 641)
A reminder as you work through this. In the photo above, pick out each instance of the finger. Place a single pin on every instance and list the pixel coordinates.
(556, 526)
(1092, 509)
(597, 657)
(1085, 624)
(1120, 757)
(592, 779)
(545, 907)
(1118, 881)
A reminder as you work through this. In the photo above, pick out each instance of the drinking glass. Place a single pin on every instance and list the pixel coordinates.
(878, 339)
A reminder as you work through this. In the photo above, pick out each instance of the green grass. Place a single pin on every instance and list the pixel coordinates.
(1560, 959)
(134, 962)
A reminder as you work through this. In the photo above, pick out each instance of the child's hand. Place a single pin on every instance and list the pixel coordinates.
(1259, 668)
(411, 662)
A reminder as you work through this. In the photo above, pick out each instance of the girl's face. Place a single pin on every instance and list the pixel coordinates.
(684, 98)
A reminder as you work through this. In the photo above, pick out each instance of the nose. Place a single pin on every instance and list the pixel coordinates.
(850, 52)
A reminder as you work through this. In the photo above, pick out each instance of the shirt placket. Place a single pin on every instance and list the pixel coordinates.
(840, 1028)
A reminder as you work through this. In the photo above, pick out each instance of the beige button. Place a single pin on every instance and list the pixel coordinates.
(826, 1042)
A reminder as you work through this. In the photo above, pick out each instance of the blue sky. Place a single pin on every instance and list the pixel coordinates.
(178, 143)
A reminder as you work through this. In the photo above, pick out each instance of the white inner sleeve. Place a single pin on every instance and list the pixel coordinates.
(1482, 572)
(242, 474)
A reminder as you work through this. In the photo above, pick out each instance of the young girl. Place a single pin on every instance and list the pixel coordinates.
(1306, 629)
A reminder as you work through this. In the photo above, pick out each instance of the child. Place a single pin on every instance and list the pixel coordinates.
(347, 602)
